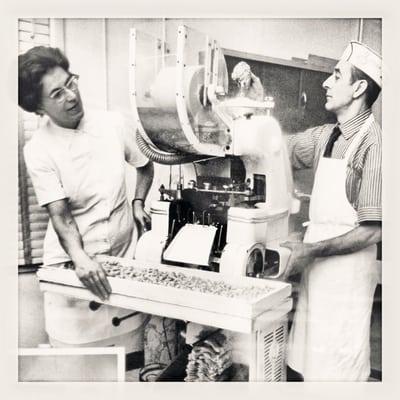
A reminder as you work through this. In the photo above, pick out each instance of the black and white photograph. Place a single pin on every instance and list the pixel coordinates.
(200, 201)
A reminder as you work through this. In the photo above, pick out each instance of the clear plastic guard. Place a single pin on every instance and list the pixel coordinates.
(157, 84)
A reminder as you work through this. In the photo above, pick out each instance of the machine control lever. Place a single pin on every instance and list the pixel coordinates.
(116, 320)
(219, 227)
(194, 218)
(93, 305)
(205, 213)
(172, 228)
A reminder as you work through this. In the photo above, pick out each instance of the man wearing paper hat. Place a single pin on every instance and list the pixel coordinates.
(329, 339)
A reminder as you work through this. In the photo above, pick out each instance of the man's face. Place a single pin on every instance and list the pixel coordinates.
(68, 112)
(339, 88)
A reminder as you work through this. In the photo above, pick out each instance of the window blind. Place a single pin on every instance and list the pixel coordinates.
(32, 219)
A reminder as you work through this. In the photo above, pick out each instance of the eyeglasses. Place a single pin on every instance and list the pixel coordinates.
(60, 94)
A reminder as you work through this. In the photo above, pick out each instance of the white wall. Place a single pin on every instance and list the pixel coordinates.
(372, 36)
(281, 38)
(85, 47)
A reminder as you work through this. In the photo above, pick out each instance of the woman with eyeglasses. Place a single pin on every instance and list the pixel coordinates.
(76, 161)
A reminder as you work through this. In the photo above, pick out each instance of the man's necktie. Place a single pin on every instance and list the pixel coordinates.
(332, 139)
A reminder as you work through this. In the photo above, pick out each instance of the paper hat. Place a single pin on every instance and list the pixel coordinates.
(365, 59)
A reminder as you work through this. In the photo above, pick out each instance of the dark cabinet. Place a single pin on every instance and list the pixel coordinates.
(298, 93)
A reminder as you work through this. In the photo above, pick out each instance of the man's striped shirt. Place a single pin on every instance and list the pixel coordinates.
(364, 176)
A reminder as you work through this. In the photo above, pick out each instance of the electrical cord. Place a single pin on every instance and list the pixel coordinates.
(166, 338)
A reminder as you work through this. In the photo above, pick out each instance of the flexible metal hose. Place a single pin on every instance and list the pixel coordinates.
(160, 157)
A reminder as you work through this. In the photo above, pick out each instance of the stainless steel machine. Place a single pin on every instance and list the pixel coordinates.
(230, 206)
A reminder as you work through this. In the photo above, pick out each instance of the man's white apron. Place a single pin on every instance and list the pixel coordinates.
(329, 339)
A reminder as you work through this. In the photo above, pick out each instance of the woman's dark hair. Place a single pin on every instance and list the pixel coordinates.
(32, 66)
(373, 89)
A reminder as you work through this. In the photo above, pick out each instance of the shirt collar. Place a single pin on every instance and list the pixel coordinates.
(353, 125)
(82, 128)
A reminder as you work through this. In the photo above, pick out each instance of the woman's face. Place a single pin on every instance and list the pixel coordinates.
(68, 112)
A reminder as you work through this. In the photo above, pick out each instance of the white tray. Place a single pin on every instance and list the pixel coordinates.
(173, 302)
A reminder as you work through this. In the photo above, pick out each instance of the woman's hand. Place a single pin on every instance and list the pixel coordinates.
(256, 90)
(92, 275)
(141, 218)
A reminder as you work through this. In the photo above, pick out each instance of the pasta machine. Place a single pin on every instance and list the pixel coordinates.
(227, 207)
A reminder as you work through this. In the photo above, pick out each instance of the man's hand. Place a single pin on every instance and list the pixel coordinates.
(256, 90)
(141, 218)
(301, 256)
(92, 275)
(249, 84)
